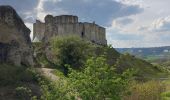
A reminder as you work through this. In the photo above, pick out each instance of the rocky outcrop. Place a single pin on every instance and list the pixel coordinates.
(15, 43)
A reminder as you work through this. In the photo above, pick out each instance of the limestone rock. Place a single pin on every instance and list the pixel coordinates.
(15, 42)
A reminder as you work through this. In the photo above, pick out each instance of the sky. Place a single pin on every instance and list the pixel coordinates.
(128, 23)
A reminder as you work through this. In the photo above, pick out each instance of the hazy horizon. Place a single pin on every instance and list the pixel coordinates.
(128, 23)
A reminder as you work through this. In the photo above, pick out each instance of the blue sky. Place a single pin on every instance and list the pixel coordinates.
(129, 23)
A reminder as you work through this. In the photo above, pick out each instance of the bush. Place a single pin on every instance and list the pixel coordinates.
(10, 75)
(23, 93)
(110, 53)
(165, 95)
(99, 81)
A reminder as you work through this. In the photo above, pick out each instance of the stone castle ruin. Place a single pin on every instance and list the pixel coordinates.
(68, 25)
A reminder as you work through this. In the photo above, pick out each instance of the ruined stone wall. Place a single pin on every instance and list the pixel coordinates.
(69, 25)
(66, 19)
(38, 30)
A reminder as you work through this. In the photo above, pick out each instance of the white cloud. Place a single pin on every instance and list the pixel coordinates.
(137, 43)
(128, 20)
(30, 26)
(40, 10)
(153, 25)
(161, 25)
(121, 23)
(132, 2)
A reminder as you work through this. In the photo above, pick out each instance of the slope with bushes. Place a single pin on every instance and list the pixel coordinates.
(90, 77)
(18, 83)
(74, 51)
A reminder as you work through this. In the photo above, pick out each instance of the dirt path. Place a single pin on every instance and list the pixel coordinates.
(47, 72)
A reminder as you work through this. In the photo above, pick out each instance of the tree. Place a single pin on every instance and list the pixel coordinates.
(71, 50)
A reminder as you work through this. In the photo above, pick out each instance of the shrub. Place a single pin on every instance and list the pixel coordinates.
(10, 75)
(165, 95)
(99, 81)
(23, 93)
(71, 50)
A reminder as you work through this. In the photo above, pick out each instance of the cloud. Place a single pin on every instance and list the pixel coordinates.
(119, 23)
(131, 2)
(129, 23)
(103, 12)
(122, 36)
(120, 39)
(30, 26)
(142, 28)
(137, 43)
(25, 8)
(161, 25)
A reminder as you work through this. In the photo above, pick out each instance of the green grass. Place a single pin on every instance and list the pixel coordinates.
(10, 74)
(143, 69)
(165, 95)
(58, 73)
(150, 90)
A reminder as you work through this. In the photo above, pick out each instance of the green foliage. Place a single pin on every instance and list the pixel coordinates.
(40, 57)
(98, 81)
(52, 90)
(70, 50)
(23, 93)
(143, 69)
(150, 90)
(110, 53)
(165, 95)
(10, 74)
(19, 82)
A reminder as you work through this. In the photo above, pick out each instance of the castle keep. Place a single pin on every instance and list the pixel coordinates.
(68, 25)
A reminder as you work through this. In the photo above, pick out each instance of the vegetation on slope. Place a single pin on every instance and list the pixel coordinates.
(98, 81)
(95, 71)
(18, 83)
(143, 69)
(70, 50)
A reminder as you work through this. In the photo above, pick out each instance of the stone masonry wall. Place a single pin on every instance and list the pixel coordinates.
(38, 30)
(68, 25)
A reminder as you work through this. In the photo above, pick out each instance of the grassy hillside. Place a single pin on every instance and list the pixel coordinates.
(92, 72)
(122, 62)
(143, 69)
(18, 83)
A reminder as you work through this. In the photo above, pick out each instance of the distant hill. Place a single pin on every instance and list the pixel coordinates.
(152, 54)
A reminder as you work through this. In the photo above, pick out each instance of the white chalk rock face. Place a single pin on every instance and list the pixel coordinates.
(15, 42)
